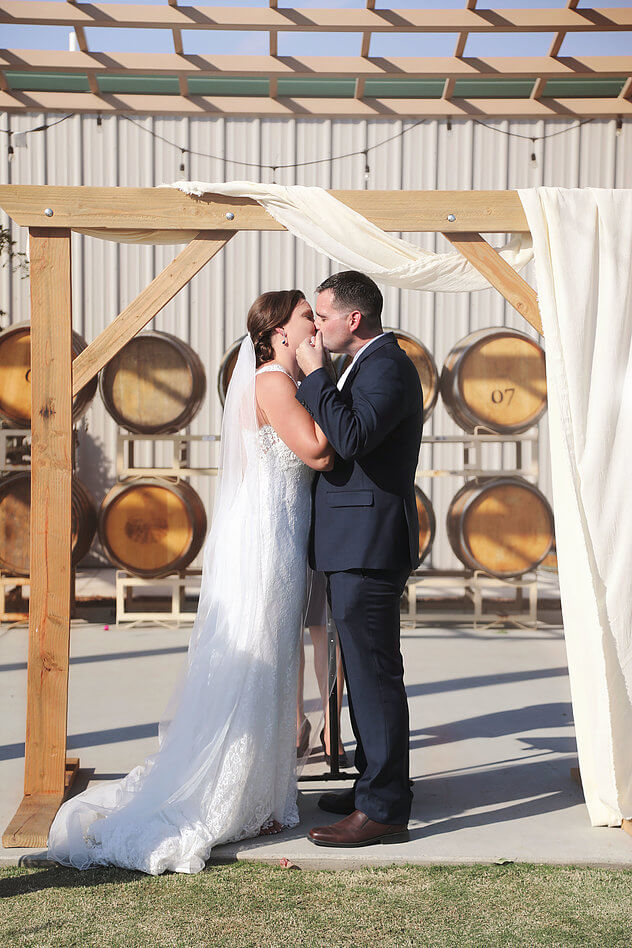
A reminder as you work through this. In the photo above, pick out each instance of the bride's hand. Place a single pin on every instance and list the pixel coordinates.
(311, 354)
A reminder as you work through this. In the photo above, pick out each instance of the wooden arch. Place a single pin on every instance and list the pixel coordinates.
(51, 213)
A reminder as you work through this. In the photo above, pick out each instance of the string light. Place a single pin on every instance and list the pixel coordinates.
(316, 161)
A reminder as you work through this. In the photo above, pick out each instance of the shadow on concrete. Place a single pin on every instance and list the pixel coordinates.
(91, 738)
(482, 681)
(112, 656)
(443, 801)
(497, 724)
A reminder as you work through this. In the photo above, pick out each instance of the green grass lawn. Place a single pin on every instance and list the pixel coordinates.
(249, 904)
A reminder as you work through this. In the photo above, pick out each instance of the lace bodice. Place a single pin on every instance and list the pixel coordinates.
(270, 444)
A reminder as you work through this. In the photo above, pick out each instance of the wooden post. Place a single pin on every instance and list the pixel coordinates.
(50, 566)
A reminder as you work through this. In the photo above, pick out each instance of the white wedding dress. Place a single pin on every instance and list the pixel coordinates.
(226, 763)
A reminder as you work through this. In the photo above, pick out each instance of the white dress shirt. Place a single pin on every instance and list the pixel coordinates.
(343, 378)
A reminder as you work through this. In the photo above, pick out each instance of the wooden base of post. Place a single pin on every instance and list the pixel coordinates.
(32, 820)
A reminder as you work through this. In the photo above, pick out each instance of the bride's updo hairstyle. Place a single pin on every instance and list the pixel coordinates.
(266, 313)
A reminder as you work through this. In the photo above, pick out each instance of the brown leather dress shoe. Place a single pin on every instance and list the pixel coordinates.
(357, 830)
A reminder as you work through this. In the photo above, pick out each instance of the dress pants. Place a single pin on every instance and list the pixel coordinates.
(364, 605)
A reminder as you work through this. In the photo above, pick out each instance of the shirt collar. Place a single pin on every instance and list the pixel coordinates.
(366, 345)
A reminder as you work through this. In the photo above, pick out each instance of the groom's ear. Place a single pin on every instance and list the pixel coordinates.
(354, 319)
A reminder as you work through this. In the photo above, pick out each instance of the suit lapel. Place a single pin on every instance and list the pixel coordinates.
(388, 337)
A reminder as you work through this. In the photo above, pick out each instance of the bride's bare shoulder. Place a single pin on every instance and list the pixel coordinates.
(273, 380)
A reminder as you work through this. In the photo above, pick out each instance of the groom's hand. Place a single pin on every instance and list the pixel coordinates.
(311, 354)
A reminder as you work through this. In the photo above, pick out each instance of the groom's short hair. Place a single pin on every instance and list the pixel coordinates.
(355, 290)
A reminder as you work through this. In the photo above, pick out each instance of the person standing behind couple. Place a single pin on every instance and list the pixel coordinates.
(365, 537)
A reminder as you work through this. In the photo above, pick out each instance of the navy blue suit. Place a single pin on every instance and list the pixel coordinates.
(365, 538)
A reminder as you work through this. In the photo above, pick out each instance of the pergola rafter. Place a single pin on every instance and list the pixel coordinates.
(55, 376)
(365, 86)
(281, 67)
(330, 20)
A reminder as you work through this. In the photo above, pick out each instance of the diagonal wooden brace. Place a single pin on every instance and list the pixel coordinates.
(500, 274)
(146, 305)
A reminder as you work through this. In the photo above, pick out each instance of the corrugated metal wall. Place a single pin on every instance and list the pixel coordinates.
(210, 312)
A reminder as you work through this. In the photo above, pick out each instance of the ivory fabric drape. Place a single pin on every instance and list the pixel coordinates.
(582, 241)
(331, 227)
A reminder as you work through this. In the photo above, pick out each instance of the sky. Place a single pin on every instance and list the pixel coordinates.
(314, 44)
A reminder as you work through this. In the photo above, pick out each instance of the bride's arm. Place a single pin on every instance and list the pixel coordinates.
(291, 421)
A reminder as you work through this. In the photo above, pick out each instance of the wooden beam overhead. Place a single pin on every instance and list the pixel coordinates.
(171, 209)
(321, 67)
(199, 17)
(313, 107)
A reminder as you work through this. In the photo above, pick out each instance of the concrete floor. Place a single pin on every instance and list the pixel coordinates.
(492, 744)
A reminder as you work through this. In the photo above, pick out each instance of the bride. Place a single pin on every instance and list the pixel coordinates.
(226, 764)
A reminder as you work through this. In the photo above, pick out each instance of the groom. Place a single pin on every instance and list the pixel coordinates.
(365, 538)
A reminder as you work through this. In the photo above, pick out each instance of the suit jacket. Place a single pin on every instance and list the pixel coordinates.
(364, 512)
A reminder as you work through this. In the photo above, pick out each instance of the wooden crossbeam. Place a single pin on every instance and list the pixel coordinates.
(147, 304)
(311, 107)
(322, 67)
(346, 20)
(170, 209)
(500, 274)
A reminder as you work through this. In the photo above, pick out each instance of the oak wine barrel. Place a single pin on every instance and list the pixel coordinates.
(549, 562)
(427, 522)
(151, 526)
(155, 385)
(495, 378)
(422, 359)
(502, 525)
(15, 376)
(226, 368)
(15, 522)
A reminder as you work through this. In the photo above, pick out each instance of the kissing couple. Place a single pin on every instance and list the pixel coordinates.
(311, 469)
